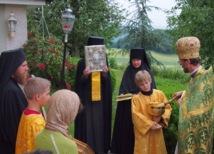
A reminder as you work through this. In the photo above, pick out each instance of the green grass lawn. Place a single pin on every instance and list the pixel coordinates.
(169, 60)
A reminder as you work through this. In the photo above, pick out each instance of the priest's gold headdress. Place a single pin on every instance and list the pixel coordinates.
(188, 47)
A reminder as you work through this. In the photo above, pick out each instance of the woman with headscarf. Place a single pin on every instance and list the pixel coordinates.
(123, 133)
(63, 107)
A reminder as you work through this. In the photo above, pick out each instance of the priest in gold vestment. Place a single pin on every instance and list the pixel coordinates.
(195, 127)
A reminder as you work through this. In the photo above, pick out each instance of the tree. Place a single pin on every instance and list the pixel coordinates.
(101, 18)
(165, 45)
(196, 19)
(139, 31)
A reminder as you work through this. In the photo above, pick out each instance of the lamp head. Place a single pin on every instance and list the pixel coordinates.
(12, 22)
(67, 20)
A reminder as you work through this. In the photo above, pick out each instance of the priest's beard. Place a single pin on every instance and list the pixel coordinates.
(21, 78)
(185, 70)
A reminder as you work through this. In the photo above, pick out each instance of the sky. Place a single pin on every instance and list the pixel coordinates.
(158, 18)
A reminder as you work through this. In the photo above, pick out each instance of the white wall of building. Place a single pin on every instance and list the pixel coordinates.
(19, 8)
(7, 43)
(3, 29)
(21, 28)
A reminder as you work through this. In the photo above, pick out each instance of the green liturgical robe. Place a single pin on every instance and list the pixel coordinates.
(195, 128)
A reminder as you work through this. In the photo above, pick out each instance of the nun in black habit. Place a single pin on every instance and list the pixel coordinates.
(12, 99)
(123, 133)
(93, 124)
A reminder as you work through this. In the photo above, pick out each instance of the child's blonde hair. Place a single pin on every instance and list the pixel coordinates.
(141, 76)
(36, 85)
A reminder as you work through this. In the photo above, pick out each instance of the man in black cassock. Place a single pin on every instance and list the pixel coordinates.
(13, 71)
(93, 124)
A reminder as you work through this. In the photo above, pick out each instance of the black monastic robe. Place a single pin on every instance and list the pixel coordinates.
(12, 99)
(93, 124)
(123, 133)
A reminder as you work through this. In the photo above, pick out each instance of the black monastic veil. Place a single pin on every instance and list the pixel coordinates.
(123, 133)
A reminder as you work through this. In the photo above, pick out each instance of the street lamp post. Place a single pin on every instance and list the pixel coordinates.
(67, 24)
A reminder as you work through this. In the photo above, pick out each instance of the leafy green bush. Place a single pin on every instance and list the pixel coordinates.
(169, 86)
(170, 73)
(170, 134)
(113, 79)
(113, 63)
(122, 67)
(44, 56)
